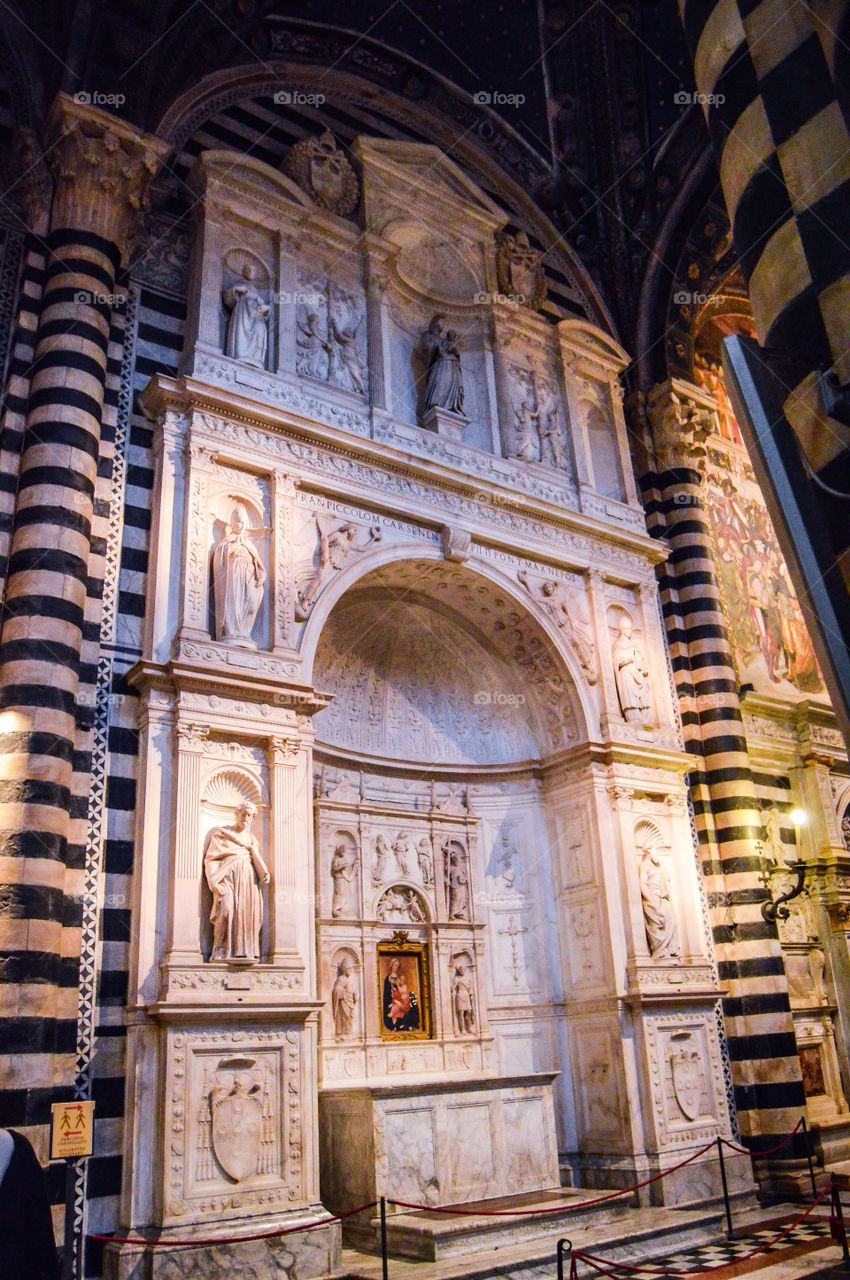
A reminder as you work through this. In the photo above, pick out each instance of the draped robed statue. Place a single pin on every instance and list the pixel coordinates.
(235, 870)
(444, 378)
(238, 577)
(247, 336)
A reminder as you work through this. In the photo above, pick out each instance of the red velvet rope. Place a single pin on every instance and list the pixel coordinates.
(261, 1235)
(555, 1208)
(757, 1155)
(602, 1265)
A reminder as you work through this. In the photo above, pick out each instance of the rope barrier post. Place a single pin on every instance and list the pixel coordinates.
(807, 1135)
(385, 1262)
(726, 1204)
(561, 1243)
(837, 1228)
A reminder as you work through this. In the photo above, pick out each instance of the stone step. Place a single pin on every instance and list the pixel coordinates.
(629, 1235)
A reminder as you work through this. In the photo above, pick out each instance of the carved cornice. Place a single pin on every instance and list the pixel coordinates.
(102, 169)
(681, 417)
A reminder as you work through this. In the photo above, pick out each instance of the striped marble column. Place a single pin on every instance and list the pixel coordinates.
(101, 169)
(765, 75)
(759, 1028)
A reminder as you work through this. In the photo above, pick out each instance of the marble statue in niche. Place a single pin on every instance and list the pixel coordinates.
(238, 578)
(631, 674)
(560, 605)
(403, 852)
(343, 872)
(425, 858)
(344, 1000)
(464, 1012)
(444, 377)
(247, 336)
(520, 272)
(457, 878)
(659, 916)
(336, 543)
(382, 853)
(235, 870)
(239, 1125)
(773, 830)
(401, 905)
(322, 169)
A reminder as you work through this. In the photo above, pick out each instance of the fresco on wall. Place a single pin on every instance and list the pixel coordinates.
(772, 645)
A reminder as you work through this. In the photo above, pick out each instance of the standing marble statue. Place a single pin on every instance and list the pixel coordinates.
(235, 870)
(382, 852)
(403, 852)
(343, 1001)
(426, 861)
(343, 871)
(462, 1001)
(247, 337)
(444, 378)
(659, 916)
(631, 674)
(458, 886)
(238, 577)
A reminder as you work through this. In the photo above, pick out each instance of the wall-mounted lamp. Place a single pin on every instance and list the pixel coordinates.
(776, 910)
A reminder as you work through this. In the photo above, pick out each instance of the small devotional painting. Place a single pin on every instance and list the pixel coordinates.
(404, 997)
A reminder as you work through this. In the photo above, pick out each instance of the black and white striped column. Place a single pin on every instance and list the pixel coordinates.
(781, 133)
(101, 168)
(759, 1028)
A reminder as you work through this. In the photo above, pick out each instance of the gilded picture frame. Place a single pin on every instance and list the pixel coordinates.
(404, 989)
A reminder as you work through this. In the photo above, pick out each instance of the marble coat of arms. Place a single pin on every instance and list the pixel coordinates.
(688, 1081)
(322, 169)
(237, 1106)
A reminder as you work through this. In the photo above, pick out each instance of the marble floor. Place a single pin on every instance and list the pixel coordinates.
(688, 1241)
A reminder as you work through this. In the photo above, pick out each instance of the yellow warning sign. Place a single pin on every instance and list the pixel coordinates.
(71, 1130)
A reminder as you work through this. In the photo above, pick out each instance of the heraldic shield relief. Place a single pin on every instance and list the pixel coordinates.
(688, 1078)
(240, 1117)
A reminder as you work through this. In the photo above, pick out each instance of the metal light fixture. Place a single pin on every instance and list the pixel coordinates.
(776, 909)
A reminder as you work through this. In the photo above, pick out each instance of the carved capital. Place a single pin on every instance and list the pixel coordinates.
(191, 737)
(102, 169)
(681, 417)
(284, 750)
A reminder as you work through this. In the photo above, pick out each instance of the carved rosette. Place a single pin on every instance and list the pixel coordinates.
(102, 169)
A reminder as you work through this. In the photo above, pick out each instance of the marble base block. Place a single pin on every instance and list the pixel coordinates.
(307, 1256)
(437, 1142)
(445, 423)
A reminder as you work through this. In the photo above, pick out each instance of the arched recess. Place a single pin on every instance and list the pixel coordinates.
(184, 122)
(523, 643)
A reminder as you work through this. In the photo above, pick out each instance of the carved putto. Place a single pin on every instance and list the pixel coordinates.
(401, 904)
(238, 578)
(321, 169)
(247, 336)
(235, 870)
(631, 674)
(520, 271)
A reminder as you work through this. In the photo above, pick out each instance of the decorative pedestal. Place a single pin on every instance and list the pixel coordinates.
(444, 423)
(437, 1142)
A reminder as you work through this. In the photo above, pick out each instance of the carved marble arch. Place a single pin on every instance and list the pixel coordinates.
(439, 663)
(225, 789)
(648, 836)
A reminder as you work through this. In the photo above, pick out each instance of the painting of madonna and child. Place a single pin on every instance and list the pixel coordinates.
(403, 991)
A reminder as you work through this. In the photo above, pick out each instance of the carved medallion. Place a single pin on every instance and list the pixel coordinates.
(322, 170)
(688, 1080)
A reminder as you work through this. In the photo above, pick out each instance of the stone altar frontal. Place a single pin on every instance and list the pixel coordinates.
(415, 882)
(444, 1142)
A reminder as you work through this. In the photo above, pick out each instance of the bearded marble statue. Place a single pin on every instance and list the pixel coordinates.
(238, 577)
(631, 674)
(235, 870)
